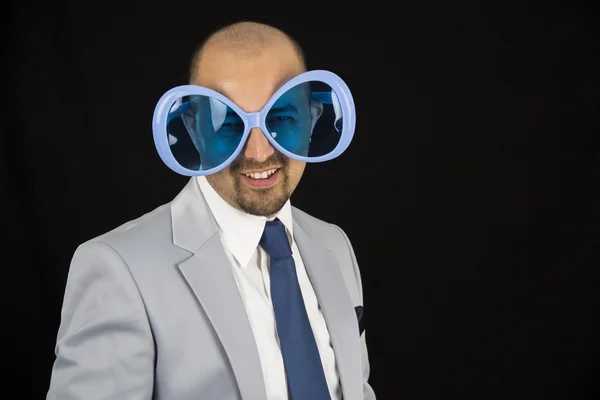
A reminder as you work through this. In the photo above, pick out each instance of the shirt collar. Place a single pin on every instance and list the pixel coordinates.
(241, 232)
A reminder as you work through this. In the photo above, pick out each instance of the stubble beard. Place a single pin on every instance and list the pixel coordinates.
(262, 202)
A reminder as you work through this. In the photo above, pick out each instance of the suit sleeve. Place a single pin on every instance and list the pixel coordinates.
(368, 393)
(104, 348)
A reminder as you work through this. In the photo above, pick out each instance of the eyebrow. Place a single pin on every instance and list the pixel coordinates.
(286, 107)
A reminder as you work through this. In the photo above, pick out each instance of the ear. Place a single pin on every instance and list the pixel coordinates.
(316, 110)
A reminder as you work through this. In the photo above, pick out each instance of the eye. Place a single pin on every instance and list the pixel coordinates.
(232, 125)
(230, 129)
(281, 118)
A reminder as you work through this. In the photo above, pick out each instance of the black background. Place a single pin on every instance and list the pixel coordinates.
(470, 192)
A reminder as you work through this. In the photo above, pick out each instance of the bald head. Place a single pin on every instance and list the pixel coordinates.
(245, 40)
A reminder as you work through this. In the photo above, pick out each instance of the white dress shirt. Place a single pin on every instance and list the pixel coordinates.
(240, 234)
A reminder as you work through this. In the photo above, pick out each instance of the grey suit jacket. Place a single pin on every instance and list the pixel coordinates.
(152, 311)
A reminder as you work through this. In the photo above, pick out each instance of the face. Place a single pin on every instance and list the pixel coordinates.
(261, 180)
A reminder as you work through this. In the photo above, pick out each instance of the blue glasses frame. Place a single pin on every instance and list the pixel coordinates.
(163, 115)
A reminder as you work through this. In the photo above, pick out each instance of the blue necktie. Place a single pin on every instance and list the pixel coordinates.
(305, 376)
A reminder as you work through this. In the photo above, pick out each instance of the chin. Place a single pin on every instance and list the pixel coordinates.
(262, 205)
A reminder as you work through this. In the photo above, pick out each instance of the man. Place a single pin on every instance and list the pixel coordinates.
(203, 298)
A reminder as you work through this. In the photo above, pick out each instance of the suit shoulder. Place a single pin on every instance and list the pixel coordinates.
(326, 231)
(312, 221)
(152, 225)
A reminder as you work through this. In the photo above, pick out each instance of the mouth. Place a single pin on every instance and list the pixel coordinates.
(261, 179)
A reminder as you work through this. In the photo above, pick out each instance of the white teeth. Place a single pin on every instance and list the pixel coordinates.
(261, 175)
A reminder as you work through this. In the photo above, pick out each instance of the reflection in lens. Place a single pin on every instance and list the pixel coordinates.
(306, 120)
(204, 132)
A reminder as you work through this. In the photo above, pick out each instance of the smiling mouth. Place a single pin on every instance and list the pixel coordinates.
(262, 174)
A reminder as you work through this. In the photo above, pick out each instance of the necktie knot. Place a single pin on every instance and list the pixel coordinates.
(275, 241)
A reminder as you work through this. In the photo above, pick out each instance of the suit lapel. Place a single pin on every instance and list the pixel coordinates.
(338, 310)
(208, 273)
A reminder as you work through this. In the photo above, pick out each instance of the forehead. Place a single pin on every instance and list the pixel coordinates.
(249, 80)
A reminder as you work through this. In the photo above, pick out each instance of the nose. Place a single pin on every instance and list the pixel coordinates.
(258, 146)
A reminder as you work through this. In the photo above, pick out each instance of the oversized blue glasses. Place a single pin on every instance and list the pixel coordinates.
(198, 131)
